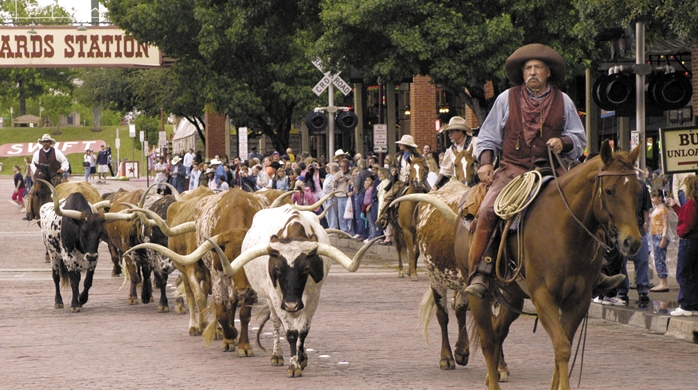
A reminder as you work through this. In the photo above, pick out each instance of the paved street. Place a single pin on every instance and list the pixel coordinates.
(365, 335)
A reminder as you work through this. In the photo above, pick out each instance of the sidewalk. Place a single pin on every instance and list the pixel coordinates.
(654, 317)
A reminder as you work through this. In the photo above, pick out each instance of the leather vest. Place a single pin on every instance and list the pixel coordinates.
(49, 160)
(514, 148)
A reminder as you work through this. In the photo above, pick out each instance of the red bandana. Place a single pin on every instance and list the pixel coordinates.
(533, 113)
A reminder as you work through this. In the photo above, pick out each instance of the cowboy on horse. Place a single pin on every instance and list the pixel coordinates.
(54, 158)
(524, 122)
(400, 175)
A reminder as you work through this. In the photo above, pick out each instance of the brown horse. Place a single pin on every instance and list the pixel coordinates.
(562, 243)
(401, 218)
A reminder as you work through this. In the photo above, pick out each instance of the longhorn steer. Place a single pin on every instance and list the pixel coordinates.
(286, 256)
(71, 234)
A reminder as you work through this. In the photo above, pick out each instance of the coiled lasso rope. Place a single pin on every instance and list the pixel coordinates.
(513, 199)
(518, 194)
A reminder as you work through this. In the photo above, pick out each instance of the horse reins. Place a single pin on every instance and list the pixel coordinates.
(599, 175)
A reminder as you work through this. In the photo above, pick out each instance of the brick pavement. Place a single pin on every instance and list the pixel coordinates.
(365, 335)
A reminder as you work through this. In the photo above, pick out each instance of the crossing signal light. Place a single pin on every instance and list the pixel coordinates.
(316, 122)
(347, 121)
(664, 91)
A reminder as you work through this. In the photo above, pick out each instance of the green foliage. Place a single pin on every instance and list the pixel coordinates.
(151, 125)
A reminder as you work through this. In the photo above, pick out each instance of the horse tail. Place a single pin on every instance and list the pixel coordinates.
(426, 312)
(474, 332)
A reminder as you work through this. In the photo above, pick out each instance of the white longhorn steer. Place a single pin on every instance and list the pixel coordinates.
(286, 254)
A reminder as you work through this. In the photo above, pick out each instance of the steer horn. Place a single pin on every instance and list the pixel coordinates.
(97, 207)
(74, 214)
(175, 193)
(176, 257)
(338, 232)
(263, 250)
(316, 205)
(277, 201)
(324, 212)
(439, 204)
(153, 219)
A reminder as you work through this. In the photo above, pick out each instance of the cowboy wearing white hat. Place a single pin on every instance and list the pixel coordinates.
(524, 122)
(54, 158)
(339, 154)
(403, 159)
(461, 136)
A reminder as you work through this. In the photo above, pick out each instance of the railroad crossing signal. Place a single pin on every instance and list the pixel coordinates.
(328, 79)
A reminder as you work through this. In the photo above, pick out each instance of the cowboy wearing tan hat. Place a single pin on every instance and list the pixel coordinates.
(54, 158)
(461, 136)
(403, 159)
(524, 122)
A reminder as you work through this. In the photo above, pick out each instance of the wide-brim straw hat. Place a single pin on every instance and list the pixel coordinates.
(46, 137)
(407, 140)
(339, 154)
(535, 51)
(215, 161)
(456, 123)
(175, 160)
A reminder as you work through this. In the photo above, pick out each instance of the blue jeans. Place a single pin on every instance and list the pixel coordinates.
(344, 224)
(87, 174)
(642, 277)
(687, 273)
(360, 224)
(660, 256)
(331, 215)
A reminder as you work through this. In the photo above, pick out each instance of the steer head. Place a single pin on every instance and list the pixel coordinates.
(291, 261)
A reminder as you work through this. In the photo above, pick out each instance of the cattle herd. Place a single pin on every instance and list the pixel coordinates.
(235, 246)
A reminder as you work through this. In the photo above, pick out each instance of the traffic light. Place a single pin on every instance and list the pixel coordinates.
(316, 122)
(347, 121)
(663, 91)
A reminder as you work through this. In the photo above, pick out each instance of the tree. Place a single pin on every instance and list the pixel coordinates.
(251, 60)
(18, 85)
(461, 45)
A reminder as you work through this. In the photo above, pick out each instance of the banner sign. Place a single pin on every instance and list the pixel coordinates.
(679, 149)
(64, 46)
(67, 147)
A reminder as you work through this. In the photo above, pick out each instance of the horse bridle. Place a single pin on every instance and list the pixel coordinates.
(610, 227)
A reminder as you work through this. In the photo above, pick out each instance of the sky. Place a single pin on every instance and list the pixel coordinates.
(82, 7)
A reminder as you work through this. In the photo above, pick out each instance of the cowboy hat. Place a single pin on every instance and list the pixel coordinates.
(535, 51)
(210, 170)
(407, 140)
(176, 159)
(46, 137)
(215, 161)
(456, 123)
(339, 154)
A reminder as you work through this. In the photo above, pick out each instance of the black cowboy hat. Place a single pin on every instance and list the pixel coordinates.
(535, 51)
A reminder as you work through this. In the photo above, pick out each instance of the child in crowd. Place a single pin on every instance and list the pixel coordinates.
(281, 179)
(194, 175)
(659, 231)
(18, 193)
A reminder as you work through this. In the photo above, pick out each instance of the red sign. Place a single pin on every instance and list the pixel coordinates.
(67, 147)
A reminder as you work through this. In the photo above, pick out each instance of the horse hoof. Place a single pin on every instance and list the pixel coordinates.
(503, 377)
(447, 364)
(277, 361)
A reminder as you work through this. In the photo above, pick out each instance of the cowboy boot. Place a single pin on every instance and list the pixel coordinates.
(478, 282)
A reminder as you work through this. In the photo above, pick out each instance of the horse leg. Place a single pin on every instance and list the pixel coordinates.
(548, 313)
(501, 327)
(440, 299)
(412, 254)
(571, 318)
(482, 315)
(462, 351)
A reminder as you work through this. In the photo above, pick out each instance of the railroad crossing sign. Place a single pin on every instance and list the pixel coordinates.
(329, 79)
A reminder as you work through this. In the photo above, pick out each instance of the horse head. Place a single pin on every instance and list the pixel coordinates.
(464, 165)
(616, 198)
(418, 175)
(39, 193)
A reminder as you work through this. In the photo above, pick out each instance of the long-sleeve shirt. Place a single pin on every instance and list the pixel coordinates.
(491, 133)
(60, 157)
(688, 219)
